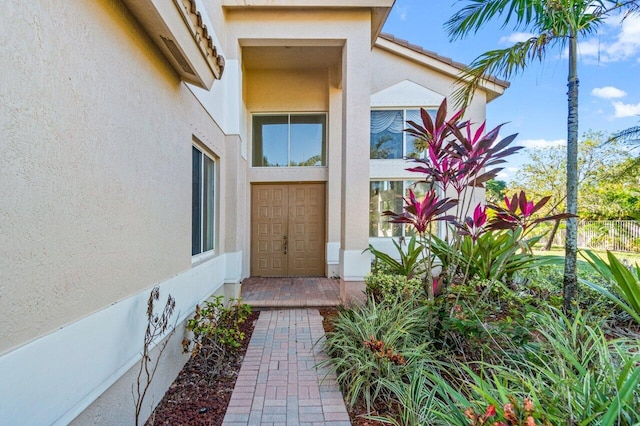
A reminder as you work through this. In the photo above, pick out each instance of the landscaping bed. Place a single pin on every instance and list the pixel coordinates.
(195, 399)
(357, 412)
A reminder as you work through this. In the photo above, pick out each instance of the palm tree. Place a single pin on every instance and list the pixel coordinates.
(554, 24)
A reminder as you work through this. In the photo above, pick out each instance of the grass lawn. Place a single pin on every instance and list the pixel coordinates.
(629, 257)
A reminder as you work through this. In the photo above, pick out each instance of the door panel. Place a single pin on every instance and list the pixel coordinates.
(306, 229)
(269, 204)
(288, 230)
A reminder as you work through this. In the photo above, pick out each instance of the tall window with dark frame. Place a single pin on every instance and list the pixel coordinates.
(202, 203)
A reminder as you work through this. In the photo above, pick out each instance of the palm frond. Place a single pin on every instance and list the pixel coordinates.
(473, 16)
(502, 63)
(629, 7)
(630, 135)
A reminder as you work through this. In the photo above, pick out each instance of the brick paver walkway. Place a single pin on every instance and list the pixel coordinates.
(278, 383)
(291, 292)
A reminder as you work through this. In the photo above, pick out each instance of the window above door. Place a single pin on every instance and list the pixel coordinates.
(289, 140)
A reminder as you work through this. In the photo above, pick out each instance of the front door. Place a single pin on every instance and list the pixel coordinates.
(288, 230)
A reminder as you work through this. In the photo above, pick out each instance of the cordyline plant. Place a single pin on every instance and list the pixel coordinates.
(459, 160)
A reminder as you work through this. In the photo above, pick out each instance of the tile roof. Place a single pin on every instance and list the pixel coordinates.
(203, 33)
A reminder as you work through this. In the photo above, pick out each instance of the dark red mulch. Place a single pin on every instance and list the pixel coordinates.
(359, 410)
(196, 400)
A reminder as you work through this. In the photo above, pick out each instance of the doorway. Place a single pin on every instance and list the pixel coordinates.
(288, 230)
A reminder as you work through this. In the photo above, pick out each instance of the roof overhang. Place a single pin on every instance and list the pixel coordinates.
(176, 27)
(379, 8)
(493, 86)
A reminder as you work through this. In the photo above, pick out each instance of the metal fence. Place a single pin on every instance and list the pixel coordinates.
(615, 235)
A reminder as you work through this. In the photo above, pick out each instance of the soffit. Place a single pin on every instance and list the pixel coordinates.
(379, 8)
(177, 28)
(291, 57)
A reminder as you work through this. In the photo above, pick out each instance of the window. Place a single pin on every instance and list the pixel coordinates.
(202, 203)
(388, 138)
(387, 195)
(289, 140)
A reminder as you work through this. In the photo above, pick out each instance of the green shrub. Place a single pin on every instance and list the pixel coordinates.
(480, 318)
(495, 255)
(374, 345)
(416, 399)
(408, 262)
(624, 282)
(572, 372)
(216, 331)
(385, 286)
(596, 380)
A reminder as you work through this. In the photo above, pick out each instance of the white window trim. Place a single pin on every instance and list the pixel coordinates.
(206, 255)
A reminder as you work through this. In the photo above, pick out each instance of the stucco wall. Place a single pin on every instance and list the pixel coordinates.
(289, 90)
(95, 164)
(389, 69)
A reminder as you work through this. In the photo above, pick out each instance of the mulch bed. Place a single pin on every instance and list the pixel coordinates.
(196, 400)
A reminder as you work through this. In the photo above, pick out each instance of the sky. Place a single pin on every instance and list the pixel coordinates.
(535, 105)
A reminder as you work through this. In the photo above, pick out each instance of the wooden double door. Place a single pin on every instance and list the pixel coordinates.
(288, 229)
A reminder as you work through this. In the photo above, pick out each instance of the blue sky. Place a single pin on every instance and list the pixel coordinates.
(535, 106)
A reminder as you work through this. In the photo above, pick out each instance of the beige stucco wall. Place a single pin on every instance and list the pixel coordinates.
(391, 69)
(286, 90)
(95, 164)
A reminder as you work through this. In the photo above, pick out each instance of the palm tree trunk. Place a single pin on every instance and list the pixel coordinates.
(571, 242)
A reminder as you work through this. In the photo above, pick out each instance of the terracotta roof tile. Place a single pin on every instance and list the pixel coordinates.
(203, 32)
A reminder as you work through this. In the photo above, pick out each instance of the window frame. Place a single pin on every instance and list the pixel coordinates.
(407, 183)
(430, 110)
(211, 196)
(325, 141)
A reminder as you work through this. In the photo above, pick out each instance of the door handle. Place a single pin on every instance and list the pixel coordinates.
(286, 244)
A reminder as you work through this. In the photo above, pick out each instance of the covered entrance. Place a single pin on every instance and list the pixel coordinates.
(288, 229)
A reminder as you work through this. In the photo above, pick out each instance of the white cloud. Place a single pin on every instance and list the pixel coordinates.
(507, 173)
(402, 12)
(624, 45)
(515, 38)
(626, 110)
(541, 143)
(608, 92)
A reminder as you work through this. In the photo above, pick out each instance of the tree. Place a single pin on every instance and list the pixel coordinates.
(600, 177)
(495, 190)
(613, 192)
(555, 24)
